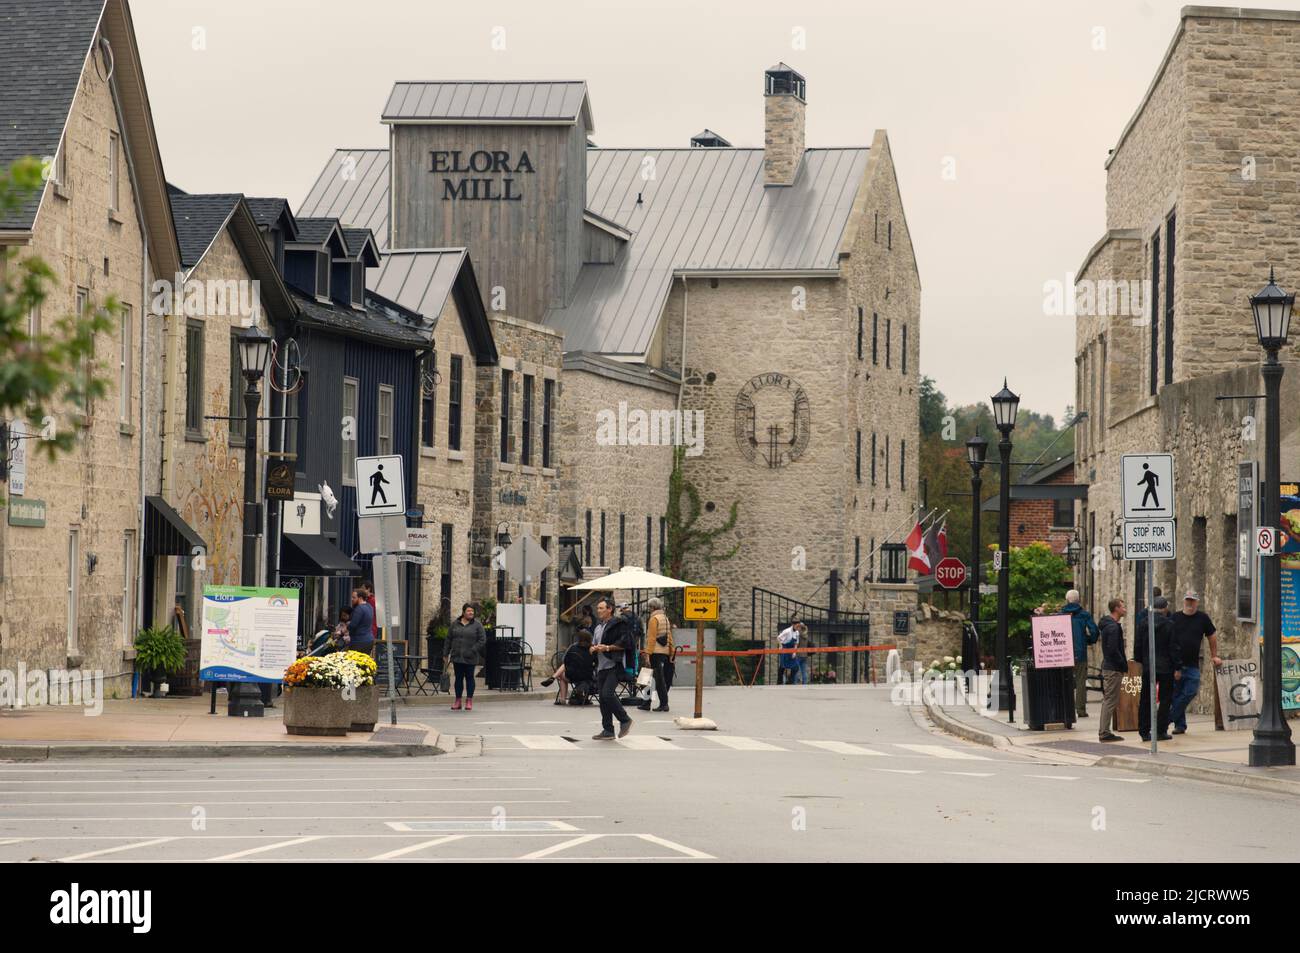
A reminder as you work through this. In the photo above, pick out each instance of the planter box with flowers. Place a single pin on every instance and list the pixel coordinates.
(950, 667)
(321, 694)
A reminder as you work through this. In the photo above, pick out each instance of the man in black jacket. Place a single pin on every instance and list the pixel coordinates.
(1164, 668)
(611, 642)
(1114, 666)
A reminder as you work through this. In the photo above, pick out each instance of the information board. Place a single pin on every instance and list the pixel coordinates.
(248, 634)
(1053, 637)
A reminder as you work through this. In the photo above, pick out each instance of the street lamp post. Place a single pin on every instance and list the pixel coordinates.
(1005, 405)
(1272, 743)
(245, 699)
(976, 450)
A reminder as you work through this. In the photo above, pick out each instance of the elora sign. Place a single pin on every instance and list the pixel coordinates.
(481, 175)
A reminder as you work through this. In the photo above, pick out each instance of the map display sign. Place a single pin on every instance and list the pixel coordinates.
(249, 633)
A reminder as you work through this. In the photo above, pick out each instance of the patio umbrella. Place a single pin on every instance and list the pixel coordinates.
(632, 577)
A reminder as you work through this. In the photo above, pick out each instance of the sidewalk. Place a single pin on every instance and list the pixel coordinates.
(1201, 754)
(182, 728)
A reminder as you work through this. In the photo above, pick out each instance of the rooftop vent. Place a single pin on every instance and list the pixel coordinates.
(708, 139)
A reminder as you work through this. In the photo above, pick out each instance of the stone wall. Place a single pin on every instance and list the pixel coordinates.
(94, 489)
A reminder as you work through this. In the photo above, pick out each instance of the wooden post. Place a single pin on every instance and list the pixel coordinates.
(699, 669)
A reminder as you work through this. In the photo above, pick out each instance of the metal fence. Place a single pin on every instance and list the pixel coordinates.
(770, 612)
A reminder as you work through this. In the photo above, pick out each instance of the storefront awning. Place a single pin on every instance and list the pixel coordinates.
(165, 533)
(314, 556)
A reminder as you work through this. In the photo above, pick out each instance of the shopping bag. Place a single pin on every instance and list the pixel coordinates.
(645, 677)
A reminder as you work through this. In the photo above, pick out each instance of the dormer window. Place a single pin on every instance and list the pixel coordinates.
(358, 285)
(322, 275)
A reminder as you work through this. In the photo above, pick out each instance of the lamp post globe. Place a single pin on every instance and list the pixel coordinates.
(976, 450)
(254, 350)
(1271, 308)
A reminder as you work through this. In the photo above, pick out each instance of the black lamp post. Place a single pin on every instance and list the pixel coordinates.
(1117, 547)
(1272, 743)
(245, 699)
(976, 449)
(1072, 550)
(1005, 406)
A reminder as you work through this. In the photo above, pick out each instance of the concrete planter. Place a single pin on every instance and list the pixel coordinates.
(364, 709)
(316, 711)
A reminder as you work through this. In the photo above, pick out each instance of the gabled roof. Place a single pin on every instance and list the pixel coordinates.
(44, 47)
(706, 212)
(199, 218)
(359, 199)
(488, 102)
(270, 212)
(318, 231)
(361, 245)
(421, 279)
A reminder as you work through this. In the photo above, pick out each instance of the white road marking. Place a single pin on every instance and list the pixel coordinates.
(739, 743)
(694, 854)
(114, 850)
(898, 770)
(843, 747)
(370, 779)
(1127, 780)
(206, 792)
(265, 847)
(548, 722)
(546, 743)
(943, 751)
(420, 846)
(563, 845)
(189, 803)
(971, 774)
(646, 743)
(13, 840)
(494, 722)
(1053, 777)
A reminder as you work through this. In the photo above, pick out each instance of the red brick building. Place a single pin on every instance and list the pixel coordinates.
(1043, 505)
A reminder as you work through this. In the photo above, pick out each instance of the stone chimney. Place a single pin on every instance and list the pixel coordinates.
(784, 104)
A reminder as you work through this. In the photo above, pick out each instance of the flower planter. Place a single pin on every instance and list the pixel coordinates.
(364, 709)
(316, 711)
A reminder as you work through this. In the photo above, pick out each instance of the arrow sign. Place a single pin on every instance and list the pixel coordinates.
(700, 603)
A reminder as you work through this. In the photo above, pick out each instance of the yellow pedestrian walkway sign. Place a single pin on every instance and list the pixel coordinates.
(700, 603)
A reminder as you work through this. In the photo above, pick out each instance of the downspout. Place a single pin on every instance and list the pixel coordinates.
(413, 490)
(681, 370)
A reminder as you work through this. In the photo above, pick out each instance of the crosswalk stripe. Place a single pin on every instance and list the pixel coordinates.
(546, 742)
(738, 743)
(843, 747)
(1053, 777)
(899, 770)
(943, 751)
(403, 851)
(562, 845)
(118, 849)
(264, 848)
(972, 774)
(647, 743)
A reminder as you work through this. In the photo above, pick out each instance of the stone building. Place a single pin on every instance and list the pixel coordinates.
(1201, 193)
(774, 289)
(78, 529)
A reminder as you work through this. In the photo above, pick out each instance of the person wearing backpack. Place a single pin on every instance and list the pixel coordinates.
(1086, 633)
(659, 647)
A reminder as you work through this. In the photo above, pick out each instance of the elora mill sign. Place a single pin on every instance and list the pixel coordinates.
(482, 175)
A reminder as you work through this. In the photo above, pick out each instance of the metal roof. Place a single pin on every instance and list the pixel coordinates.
(353, 187)
(706, 211)
(489, 102)
(418, 280)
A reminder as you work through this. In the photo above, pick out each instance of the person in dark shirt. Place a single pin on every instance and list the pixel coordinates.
(1114, 666)
(361, 635)
(1190, 626)
(1164, 672)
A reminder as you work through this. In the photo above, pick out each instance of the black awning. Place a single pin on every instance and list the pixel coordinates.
(165, 533)
(314, 556)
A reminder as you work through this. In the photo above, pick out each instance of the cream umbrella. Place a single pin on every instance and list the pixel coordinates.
(632, 577)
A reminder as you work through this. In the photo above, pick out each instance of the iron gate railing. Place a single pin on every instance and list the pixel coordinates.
(770, 612)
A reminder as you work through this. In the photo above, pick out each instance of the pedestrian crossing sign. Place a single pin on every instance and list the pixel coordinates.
(700, 603)
(1148, 486)
(381, 490)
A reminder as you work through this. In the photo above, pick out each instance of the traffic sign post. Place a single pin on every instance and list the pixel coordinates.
(950, 573)
(381, 519)
(1265, 540)
(1147, 491)
(701, 604)
(524, 559)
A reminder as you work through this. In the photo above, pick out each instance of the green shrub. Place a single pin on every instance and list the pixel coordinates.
(159, 649)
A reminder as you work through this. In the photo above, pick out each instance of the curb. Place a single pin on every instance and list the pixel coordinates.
(1236, 779)
(962, 730)
(218, 749)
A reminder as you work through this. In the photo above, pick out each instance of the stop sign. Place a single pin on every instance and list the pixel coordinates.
(950, 573)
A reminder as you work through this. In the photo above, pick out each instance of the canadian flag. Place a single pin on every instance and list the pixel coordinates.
(916, 555)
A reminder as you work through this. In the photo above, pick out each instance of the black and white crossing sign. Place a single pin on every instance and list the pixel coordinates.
(1150, 539)
(381, 491)
(1265, 540)
(1148, 486)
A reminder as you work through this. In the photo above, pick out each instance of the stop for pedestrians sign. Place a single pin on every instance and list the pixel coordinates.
(950, 573)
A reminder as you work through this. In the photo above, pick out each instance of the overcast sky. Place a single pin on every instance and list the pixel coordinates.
(1024, 98)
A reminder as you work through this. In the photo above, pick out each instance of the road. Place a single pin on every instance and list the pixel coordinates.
(816, 773)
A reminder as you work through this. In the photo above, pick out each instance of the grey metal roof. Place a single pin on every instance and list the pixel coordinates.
(43, 48)
(418, 280)
(705, 211)
(470, 102)
(353, 187)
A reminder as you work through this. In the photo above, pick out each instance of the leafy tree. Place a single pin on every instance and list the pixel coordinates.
(685, 535)
(1037, 576)
(43, 374)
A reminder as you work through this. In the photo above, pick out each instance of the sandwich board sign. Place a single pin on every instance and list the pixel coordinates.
(381, 491)
(1148, 486)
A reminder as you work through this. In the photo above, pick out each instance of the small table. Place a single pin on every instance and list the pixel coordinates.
(413, 674)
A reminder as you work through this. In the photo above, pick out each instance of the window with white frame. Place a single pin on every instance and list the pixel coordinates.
(114, 170)
(59, 173)
(124, 366)
(74, 590)
(129, 554)
(384, 444)
(351, 388)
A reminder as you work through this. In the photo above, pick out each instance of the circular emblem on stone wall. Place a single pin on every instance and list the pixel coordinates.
(773, 420)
